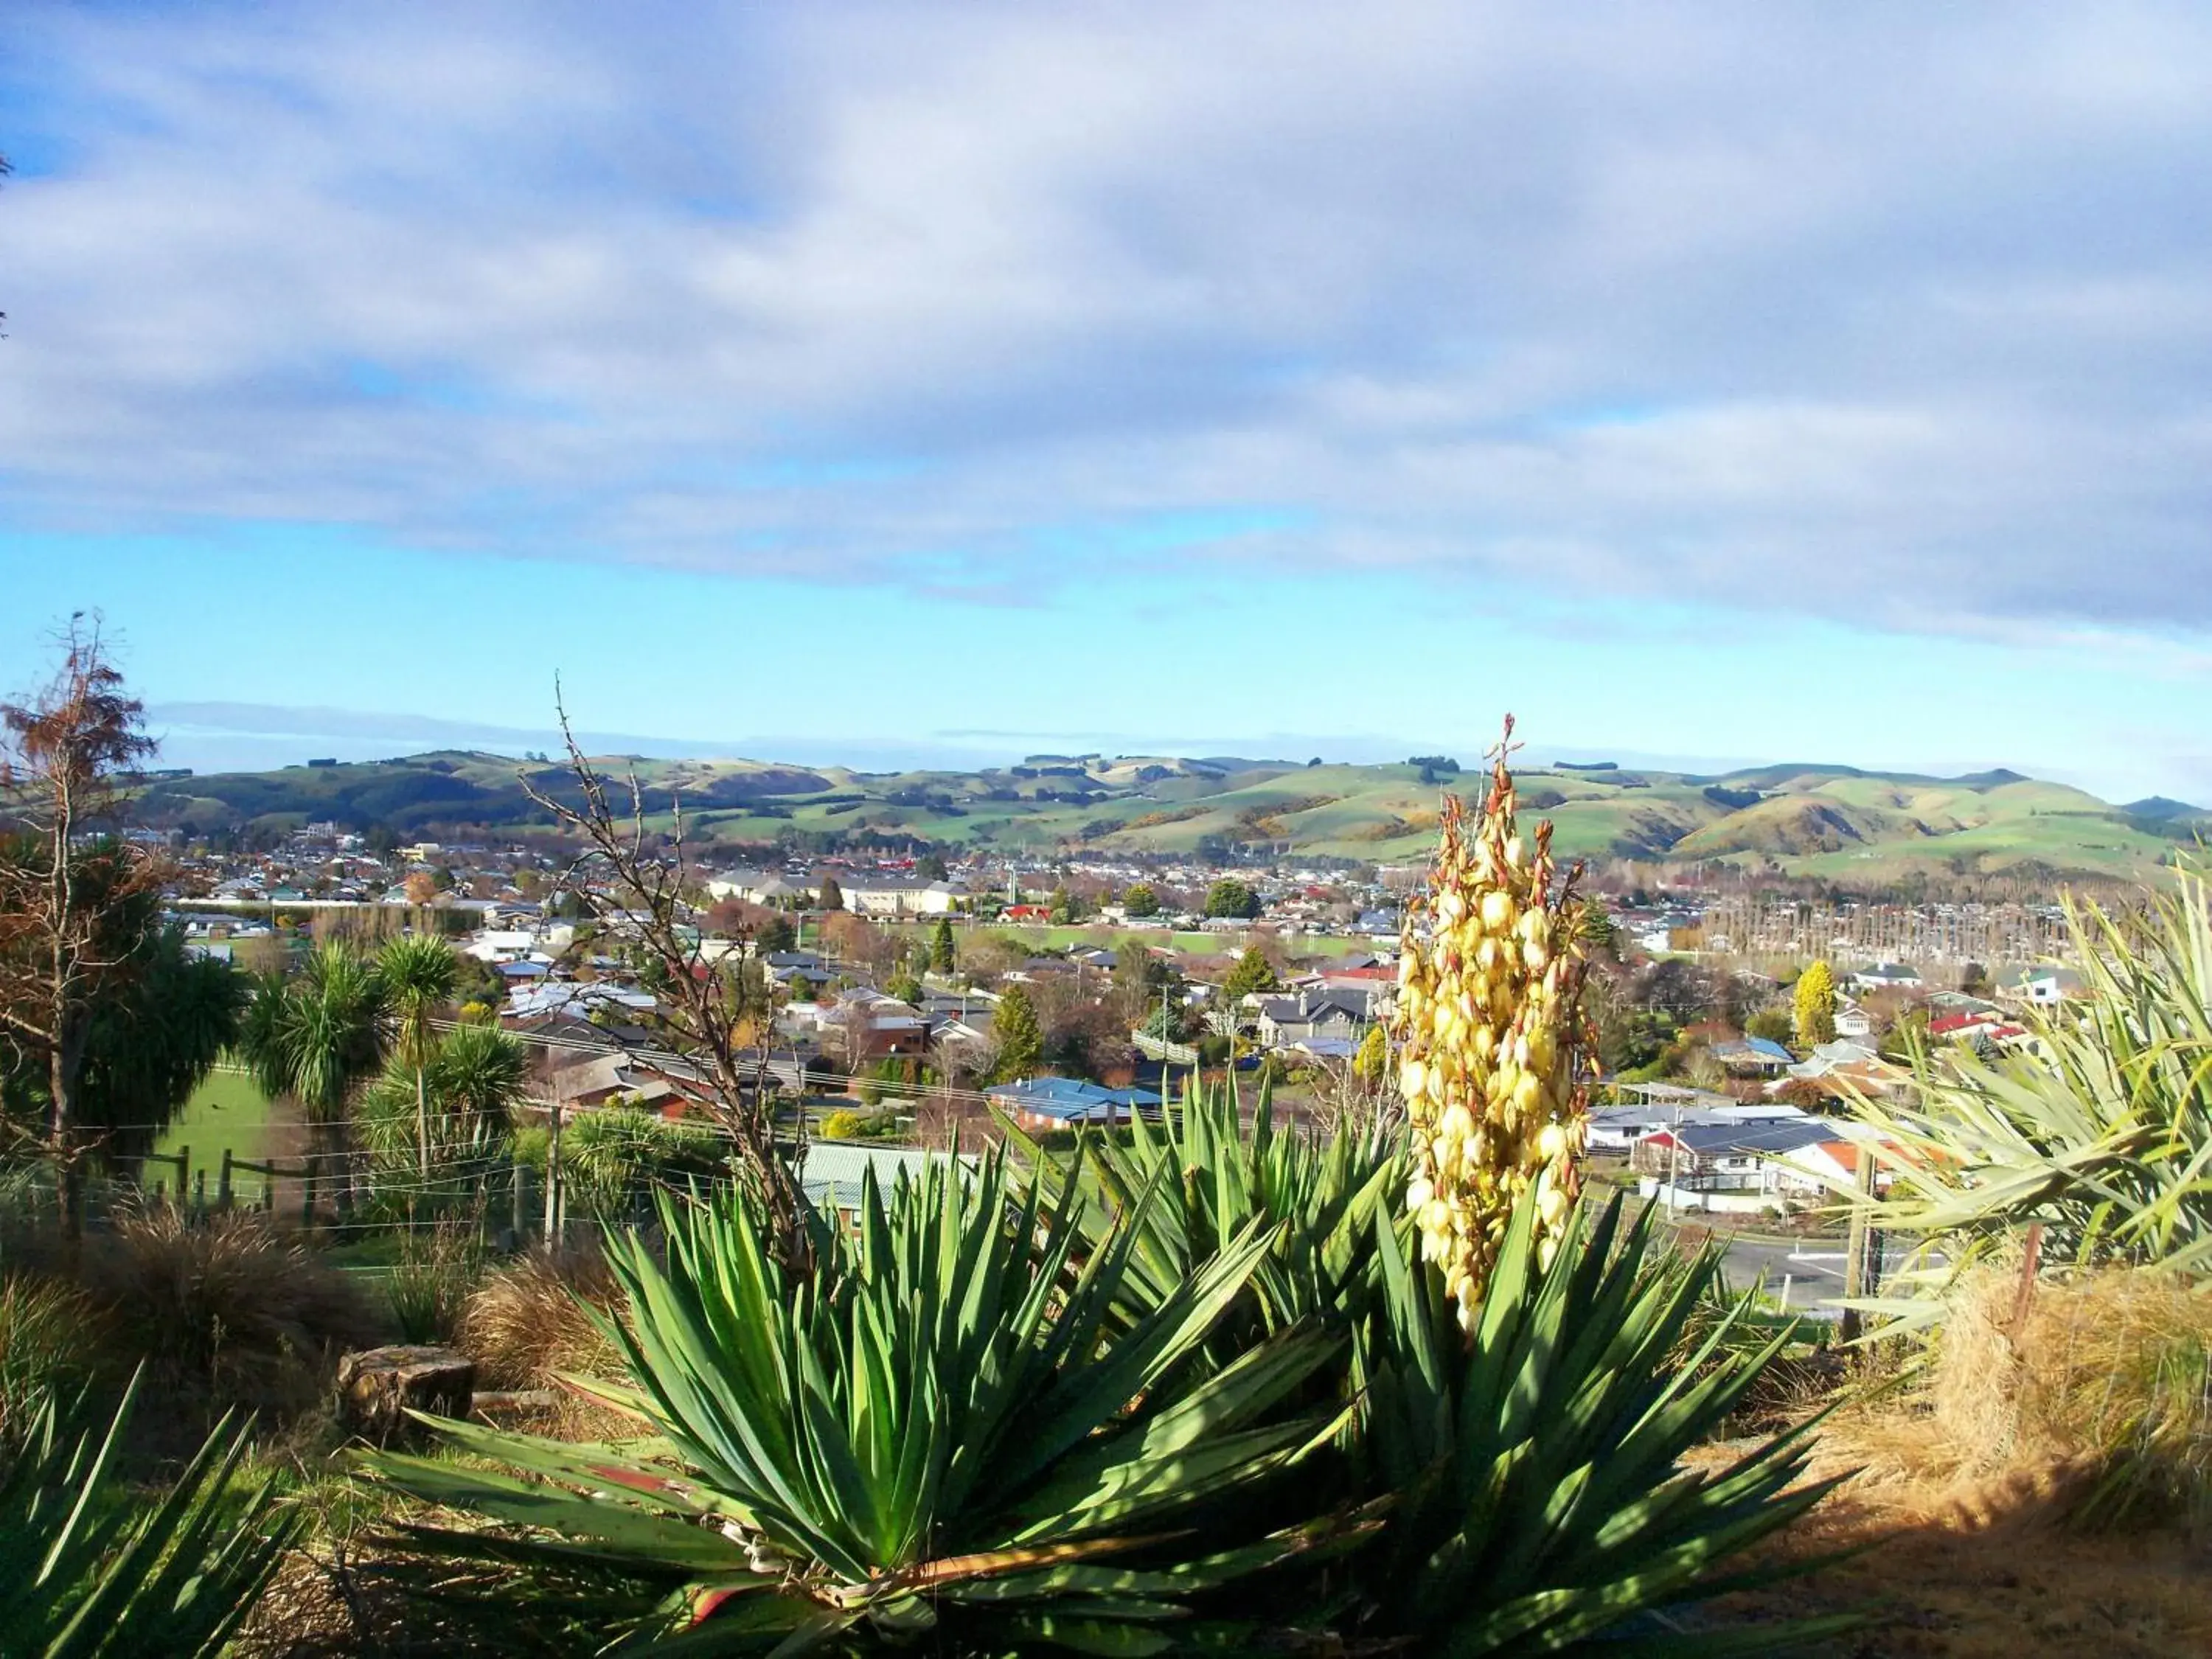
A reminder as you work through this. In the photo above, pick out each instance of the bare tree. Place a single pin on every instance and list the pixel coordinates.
(69, 887)
(633, 880)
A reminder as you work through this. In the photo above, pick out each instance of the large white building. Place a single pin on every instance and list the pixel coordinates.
(901, 895)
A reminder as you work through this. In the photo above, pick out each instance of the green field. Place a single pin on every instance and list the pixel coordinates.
(226, 1113)
(1112, 938)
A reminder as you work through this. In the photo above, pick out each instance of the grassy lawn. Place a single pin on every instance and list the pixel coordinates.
(225, 1112)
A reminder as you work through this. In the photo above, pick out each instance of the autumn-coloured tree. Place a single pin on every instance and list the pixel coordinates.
(71, 919)
(421, 887)
(1814, 1005)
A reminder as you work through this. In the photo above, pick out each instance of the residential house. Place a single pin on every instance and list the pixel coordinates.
(833, 1173)
(2043, 986)
(1663, 1105)
(1059, 1102)
(1285, 1020)
(1886, 976)
(1846, 1065)
(1753, 1057)
(867, 1027)
(1737, 1167)
(767, 887)
(667, 1087)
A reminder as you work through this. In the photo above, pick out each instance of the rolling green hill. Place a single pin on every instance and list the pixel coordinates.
(1803, 819)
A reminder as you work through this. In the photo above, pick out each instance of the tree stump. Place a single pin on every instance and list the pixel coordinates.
(378, 1386)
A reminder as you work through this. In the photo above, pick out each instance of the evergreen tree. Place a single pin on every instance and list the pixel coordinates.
(1253, 972)
(942, 957)
(1141, 900)
(1231, 897)
(1018, 1036)
(904, 986)
(932, 867)
(1815, 1005)
(832, 897)
(1066, 908)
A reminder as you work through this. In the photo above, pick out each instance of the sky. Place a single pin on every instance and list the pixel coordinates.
(898, 382)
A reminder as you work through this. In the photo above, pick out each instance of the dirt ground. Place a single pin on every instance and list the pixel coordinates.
(1983, 1570)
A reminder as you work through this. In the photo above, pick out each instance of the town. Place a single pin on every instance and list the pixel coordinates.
(879, 983)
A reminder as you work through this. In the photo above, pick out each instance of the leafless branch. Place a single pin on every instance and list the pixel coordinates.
(622, 882)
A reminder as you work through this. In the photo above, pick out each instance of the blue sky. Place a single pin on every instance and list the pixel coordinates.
(858, 381)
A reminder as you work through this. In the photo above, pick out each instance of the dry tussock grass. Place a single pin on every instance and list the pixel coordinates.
(2106, 1375)
(227, 1307)
(526, 1323)
(2028, 1489)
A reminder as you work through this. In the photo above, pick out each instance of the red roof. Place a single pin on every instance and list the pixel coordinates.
(1950, 1023)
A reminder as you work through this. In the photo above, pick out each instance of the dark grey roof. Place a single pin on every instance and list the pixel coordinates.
(1788, 1136)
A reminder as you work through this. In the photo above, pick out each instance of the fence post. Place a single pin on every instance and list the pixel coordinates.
(553, 1178)
(184, 1174)
(199, 1193)
(223, 1185)
(1855, 1248)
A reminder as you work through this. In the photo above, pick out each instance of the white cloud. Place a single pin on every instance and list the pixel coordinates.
(1881, 310)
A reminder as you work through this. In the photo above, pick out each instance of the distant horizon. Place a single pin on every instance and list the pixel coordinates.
(270, 738)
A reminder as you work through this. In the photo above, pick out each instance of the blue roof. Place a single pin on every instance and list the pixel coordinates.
(1768, 1048)
(1073, 1101)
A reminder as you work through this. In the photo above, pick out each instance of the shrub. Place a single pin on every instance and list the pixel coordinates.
(938, 1431)
(89, 1571)
(49, 1337)
(859, 1125)
(226, 1309)
(526, 1323)
(2104, 1139)
(608, 1157)
(430, 1285)
(1537, 1459)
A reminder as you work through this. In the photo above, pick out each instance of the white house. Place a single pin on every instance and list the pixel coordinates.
(1886, 976)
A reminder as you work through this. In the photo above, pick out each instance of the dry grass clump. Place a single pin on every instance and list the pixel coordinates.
(2109, 1373)
(226, 1308)
(526, 1323)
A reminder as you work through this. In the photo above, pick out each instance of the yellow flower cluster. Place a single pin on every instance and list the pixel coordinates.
(1491, 1042)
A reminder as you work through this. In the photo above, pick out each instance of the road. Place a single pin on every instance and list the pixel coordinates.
(1808, 1271)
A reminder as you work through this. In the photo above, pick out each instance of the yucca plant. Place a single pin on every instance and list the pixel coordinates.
(1537, 1460)
(1186, 1186)
(2100, 1131)
(89, 1571)
(941, 1429)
